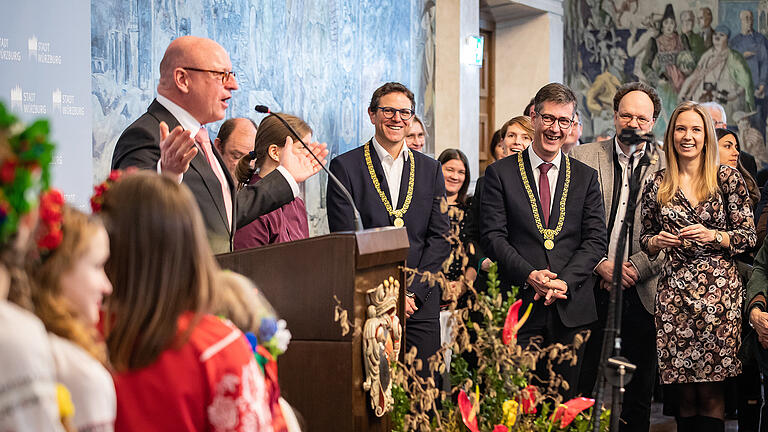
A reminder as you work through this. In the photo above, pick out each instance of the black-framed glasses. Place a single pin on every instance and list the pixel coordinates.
(549, 120)
(626, 118)
(223, 74)
(389, 112)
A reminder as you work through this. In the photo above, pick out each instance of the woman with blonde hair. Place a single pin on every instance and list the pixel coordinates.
(289, 222)
(697, 211)
(517, 134)
(69, 284)
(177, 367)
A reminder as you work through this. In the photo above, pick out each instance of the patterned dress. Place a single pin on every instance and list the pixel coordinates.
(700, 295)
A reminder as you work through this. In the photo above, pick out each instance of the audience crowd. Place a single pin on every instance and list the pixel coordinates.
(123, 320)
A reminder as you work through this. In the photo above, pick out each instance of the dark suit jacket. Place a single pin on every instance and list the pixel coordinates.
(510, 237)
(427, 226)
(139, 146)
(600, 156)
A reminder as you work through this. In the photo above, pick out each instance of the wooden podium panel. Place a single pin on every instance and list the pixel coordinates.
(322, 372)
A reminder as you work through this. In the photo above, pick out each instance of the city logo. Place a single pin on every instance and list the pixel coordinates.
(17, 101)
(56, 101)
(32, 47)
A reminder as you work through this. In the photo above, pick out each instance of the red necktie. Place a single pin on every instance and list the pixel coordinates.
(204, 141)
(544, 191)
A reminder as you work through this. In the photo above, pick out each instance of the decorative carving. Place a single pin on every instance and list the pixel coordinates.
(381, 344)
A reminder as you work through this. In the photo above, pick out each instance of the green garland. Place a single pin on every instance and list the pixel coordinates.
(26, 154)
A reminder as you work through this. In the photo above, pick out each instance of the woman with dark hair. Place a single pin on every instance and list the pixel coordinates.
(698, 212)
(289, 222)
(729, 148)
(497, 148)
(457, 178)
(177, 367)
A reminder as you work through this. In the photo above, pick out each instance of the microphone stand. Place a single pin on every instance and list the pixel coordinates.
(614, 369)
(356, 214)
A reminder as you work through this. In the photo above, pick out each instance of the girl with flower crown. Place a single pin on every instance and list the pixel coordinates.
(28, 393)
(69, 285)
(177, 367)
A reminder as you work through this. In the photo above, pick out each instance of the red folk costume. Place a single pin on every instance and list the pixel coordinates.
(211, 383)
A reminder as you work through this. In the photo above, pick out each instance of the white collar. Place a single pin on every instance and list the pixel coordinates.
(383, 153)
(536, 160)
(185, 119)
(619, 151)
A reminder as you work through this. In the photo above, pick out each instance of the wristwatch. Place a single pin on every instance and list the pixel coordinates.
(718, 237)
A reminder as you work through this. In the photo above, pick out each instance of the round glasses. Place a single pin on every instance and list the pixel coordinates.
(389, 112)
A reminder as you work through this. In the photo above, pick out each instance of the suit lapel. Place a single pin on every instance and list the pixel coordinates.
(532, 183)
(379, 171)
(404, 181)
(605, 172)
(555, 213)
(203, 168)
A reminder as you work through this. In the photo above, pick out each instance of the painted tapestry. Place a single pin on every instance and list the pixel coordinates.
(703, 50)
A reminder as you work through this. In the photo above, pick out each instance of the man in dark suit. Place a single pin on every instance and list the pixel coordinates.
(195, 85)
(543, 222)
(392, 185)
(635, 106)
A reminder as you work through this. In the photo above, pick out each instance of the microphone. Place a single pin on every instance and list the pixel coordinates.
(358, 224)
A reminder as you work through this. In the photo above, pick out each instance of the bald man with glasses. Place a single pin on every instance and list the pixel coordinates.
(196, 84)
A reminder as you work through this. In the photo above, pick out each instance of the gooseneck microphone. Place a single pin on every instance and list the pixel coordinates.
(358, 224)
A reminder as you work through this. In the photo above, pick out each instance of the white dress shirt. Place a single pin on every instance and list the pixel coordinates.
(621, 210)
(189, 123)
(551, 174)
(393, 168)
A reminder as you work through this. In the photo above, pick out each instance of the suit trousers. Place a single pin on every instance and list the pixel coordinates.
(424, 334)
(638, 335)
(544, 327)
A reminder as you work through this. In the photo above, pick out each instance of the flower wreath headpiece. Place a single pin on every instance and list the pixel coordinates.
(25, 171)
(97, 199)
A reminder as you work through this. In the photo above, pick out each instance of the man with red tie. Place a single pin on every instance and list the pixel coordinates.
(196, 83)
(543, 222)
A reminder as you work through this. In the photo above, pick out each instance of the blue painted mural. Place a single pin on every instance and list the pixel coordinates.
(320, 60)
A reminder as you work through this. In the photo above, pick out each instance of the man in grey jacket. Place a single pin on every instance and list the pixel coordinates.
(636, 106)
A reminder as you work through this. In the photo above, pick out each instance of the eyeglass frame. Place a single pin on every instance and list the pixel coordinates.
(545, 122)
(400, 111)
(641, 121)
(224, 74)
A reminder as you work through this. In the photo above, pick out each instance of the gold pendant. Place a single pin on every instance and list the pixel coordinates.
(399, 222)
(549, 244)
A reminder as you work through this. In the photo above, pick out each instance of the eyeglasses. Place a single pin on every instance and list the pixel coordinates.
(627, 118)
(224, 74)
(389, 112)
(548, 120)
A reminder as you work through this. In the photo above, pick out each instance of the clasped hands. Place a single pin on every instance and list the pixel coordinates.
(177, 149)
(629, 275)
(547, 286)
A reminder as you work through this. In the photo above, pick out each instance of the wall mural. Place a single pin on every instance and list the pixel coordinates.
(703, 50)
(318, 60)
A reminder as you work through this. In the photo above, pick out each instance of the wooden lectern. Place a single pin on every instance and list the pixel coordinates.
(322, 372)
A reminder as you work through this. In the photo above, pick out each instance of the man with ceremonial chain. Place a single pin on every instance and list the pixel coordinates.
(393, 186)
(543, 222)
